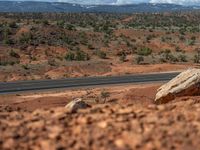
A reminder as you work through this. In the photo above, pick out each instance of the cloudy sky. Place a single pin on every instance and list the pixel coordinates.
(119, 2)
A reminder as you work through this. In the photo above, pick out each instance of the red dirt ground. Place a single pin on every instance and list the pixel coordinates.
(129, 120)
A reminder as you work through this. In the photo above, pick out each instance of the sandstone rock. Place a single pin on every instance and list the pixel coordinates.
(76, 105)
(185, 84)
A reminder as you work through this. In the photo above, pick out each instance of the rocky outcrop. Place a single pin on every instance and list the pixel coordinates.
(76, 104)
(185, 84)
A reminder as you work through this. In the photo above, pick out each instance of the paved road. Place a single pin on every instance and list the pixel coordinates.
(37, 85)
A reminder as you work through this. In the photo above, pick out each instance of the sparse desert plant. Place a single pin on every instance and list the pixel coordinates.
(8, 41)
(104, 95)
(90, 46)
(139, 59)
(122, 58)
(25, 67)
(166, 54)
(52, 62)
(45, 22)
(101, 54)
(178, 49)
(13, 25)
(172, 58)
(144, 51)
(82, 56)
(25, 38)
(61, 23)
(70, 56)
(69, 27)
(190, 42)
(182, 58)
(78, 56)
(197, 56)
(14, 54)
(196, 59)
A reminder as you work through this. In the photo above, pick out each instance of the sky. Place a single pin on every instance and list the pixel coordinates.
(121, 2)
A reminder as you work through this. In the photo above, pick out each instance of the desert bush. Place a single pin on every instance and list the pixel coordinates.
(69, 27)
(61, 23)
(82, 56)
(8, 41)
(193, 38)
(144, 51)
(139, 59)
(90, 46)
(25, 38)
(25, 67)
(172, 58)
(12, 25)
(70, 56)
(101, 54)
(5, 63)
(197, 56)
(14, 54)
(78, 56)
(122, 58)
(105, 95)
(168, 56)
(178, 49)
(190, 42)
(182, 58)
(45, 22)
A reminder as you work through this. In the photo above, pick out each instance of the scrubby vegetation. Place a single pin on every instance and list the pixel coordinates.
(47, 41)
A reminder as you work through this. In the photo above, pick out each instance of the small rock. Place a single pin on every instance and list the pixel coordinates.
(8, 144)
(119, 143)
(102, 124)
(76, 105)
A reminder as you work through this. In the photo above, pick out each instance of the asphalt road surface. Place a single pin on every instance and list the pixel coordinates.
(38, 85)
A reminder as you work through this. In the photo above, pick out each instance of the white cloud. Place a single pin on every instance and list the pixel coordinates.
(181, 2)
(120, 2)
(89, 1)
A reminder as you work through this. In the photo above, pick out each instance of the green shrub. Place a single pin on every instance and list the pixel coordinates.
(8, 41)
(105, 95)
(82, 56)
(61, 23)
(78, 56)
(45, 22)
(70, 56)
(5, 63)
(144, 51)
(172, 58)
(25, 38)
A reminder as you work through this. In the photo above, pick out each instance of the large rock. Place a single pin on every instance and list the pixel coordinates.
(185, 84)
(76, 104)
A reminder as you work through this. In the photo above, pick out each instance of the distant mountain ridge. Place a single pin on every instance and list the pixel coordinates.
(30, 6)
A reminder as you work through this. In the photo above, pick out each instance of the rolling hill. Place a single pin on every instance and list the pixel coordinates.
(29, 6)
